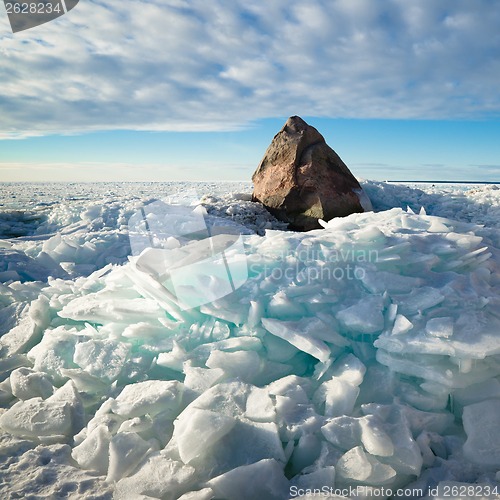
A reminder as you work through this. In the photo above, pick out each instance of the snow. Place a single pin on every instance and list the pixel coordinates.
(364, 354)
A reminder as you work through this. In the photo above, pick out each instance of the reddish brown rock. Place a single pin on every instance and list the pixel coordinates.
(301, 179)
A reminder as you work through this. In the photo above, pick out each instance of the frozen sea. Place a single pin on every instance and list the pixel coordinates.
(359, 360)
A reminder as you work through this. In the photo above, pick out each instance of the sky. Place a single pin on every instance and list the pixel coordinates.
(195, 90)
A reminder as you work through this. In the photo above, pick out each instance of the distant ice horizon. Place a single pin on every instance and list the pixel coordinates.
(236, 181)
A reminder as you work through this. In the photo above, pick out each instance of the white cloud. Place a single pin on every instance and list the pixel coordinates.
(218, 65)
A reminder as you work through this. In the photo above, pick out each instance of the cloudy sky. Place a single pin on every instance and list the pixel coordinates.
(196, 89)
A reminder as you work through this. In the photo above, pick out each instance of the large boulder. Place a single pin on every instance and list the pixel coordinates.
(301, 179)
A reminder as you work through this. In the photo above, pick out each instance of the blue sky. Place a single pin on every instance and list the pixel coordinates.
(195, 90)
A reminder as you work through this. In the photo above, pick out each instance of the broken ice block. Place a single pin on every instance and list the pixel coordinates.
(196, 430)
(481, 424)
(363, 317)
(338, 396)
(363, 468)
(289, 331)
(402, 325)
(152, 397)
(157, 476)
(27, 383)
(264, 479)
(126, 450)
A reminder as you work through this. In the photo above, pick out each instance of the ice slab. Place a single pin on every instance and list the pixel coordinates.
(440, 327)
(292, 333)
(359, 466)
(196, 430)
(150, 397)
(159, 477)
(336, 397)
(103, 359)
(93, 452)
(241, 482)
(363, 317)
(53, 419)
(27, 383)
(481, 423)
(126, 450)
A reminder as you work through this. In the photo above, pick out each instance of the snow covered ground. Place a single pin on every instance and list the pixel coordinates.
(361, 360)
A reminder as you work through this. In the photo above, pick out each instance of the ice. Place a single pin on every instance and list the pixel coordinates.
(348, 432)
(103, 359)
(26, 384)
(229, 398)
(99, 309)
(204, 494)
(296, 420)
(363, 200)
(251, 441)
(365, 353)
(293, 387)
(374, 438)
(7, 365)
(242, 364)
(158, 477)
(476, 393)
(419, 300)
(237, 437)
(363, 317)
(196, 430)
(278, 349)
(305, 452)
(259, 406)
(126, 449)
(93, 452)
(406, 457)
(362, 468)
(350, 369)
(51, 420)
(481, 423)
(381, 281)
(283, 307)
(431, 446)
(28, 331)
(402, 325)
(311, 480)
(440, 327)
(292, 333)
(263, 479)
(38, 419)
(201, 379)
(336, 397)
(174, 359)
(151, 397)
(419, 420)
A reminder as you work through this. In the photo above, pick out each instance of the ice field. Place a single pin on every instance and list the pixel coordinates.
(361, 359)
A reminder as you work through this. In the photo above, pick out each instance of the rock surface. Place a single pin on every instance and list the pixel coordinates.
(301, 179)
